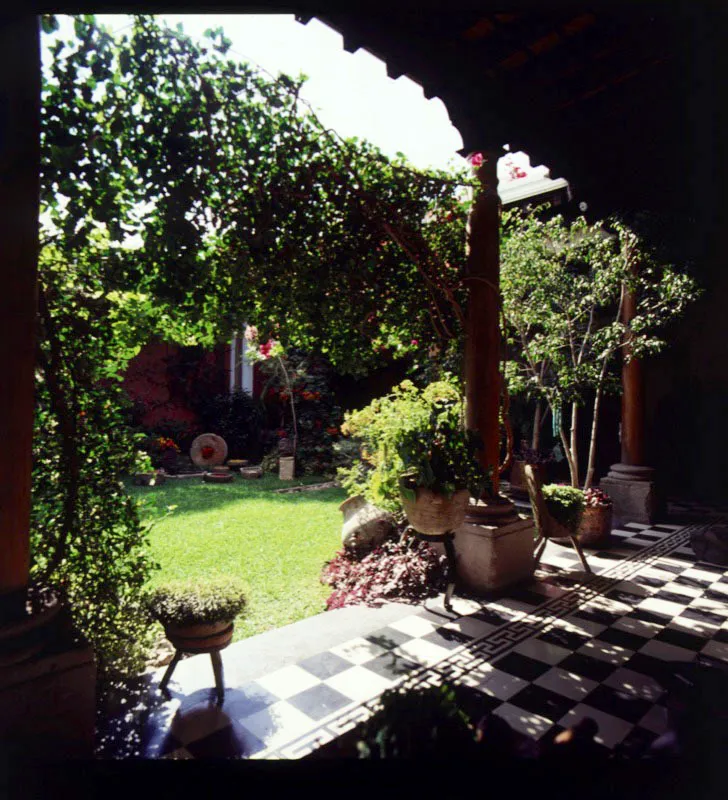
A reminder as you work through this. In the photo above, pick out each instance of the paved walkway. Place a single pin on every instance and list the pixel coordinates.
(566, 646)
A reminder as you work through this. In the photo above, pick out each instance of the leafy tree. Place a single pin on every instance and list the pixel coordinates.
(563, 287)
(183, 193)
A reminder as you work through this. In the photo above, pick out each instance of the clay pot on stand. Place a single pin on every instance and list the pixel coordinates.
(595, 527)
(519, 488)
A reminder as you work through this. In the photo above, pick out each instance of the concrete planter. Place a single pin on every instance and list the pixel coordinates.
(490, 559)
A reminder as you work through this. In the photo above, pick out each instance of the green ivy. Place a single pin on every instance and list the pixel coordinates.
(565, 504)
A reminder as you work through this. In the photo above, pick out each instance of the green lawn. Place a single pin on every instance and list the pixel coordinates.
(276, 543)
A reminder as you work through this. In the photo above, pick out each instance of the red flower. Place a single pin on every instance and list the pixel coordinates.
(207, 451)
(281, 433)
(476, 159)
(332, 431)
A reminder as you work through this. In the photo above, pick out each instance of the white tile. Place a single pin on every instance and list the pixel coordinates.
(278, 724)
(422, 652)
(655, 720)
(608, 604)
(358, 651)
(525, 722)
(689, 591)
(722, 588)
(611, 729)
(695, 626)
(711, 606)
(716, 650)
(413, 626)
(358, 683)
(462, 605)
(566, 683)
(542, 651)
(699, 574)
(634, 588)
(578, 625)
(471, 626)
(660, 606)
(637, 626)
(496, 683)
(507, 604)
(199, 721)
(667, 651)
(657, 573)
(288, 681)
(635, 683)
(605, 651)
(637, 525)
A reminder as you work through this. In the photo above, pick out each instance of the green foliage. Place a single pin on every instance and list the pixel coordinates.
(425, 721)
(196, 602)
(238, 418)
(181, 195)
(562, 285)
(565, 504)
(142, 462)
(414, 434)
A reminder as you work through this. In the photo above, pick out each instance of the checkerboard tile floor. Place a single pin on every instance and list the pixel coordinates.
(566, 646)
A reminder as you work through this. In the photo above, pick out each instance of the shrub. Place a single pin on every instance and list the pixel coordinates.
(404, 569)
(414, 433)
(238, 418)
(565, 504)
(200, 602)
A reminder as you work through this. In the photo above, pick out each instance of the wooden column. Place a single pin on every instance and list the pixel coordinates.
(483, 339)
(482, 344)
(19, 208)
(632, 397)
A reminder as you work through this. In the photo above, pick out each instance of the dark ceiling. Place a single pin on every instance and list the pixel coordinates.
(618, 99)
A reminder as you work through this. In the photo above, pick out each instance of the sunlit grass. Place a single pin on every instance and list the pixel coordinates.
(275, 543)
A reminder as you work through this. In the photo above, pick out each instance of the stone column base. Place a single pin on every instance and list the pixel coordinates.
(635, 494)
(48, 703)
(490, 559)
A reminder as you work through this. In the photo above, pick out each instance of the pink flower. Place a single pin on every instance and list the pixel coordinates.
(251, 333)
(265, 349)
(475, 159)
(414, 342)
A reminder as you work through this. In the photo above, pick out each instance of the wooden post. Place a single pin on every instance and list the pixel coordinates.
(483, 340)
(632, 397)
(19, 209)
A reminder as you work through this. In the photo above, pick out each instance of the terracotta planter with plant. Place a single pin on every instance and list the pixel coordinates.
(596, 521)
(528, 455)
(433, 513)
(197, 617)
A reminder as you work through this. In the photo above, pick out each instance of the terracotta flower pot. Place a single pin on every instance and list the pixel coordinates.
(595, 526)
(435, 514)
(148, 478)
(207, 638)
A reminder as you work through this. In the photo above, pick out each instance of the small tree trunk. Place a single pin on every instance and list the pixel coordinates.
(574, 445)
(593, 440)
(536, 437)
(569, 457)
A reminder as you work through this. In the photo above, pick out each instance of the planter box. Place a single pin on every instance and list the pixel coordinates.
(595, 527)
(491, 559)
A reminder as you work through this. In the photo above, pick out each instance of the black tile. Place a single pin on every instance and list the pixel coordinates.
(447, 638)
(248, 699)
(388, 638)
(542, 701)
(324, 665)
(568, 639)
(230, 742)
(673, 597)
(720, 597)
(635, 744)
(720, 635)
(702, 615)
(662, 529)
(681, 639)
(652, 667)
(646, 580)
(619, 704)
(696, 583)
(319, 701)
(625, 597)
(598, 615)
(391, 666)
(670, 567)
(631, 641)
(705, 567)
(609, 555)
(587, 666)
(650, 616)
(653, 537)
(494, 617)
(521, 666)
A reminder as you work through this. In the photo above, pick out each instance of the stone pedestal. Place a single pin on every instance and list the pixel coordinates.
(635, 494)
(286, 468)
(490, 558)
(48, 703)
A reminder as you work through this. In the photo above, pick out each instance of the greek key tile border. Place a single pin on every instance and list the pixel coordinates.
(472, 654)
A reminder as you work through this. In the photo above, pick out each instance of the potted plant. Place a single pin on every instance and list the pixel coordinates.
(198, 617)
(565, 504)
(144, 472)
(596, 521)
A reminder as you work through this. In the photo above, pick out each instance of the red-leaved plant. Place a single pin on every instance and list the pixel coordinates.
(597, 498)
(404, 570)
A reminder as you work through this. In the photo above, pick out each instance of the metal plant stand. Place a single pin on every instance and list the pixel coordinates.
(216, 668)
(447, 539)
